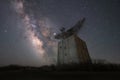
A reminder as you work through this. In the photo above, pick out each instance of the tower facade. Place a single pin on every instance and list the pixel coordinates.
(72, 50)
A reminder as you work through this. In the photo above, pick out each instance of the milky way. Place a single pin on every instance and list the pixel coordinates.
(27, 28)
(38, 32)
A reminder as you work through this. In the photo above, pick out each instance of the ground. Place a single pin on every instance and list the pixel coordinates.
(36, 75)
(83, 72)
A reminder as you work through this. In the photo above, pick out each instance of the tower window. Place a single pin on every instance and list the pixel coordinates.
(65, 54)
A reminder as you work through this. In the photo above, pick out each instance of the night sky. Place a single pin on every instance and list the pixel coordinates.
(27, 29)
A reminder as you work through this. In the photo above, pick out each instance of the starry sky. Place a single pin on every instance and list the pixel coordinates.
(27, 29)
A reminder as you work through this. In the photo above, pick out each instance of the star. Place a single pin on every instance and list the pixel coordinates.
(5, 31)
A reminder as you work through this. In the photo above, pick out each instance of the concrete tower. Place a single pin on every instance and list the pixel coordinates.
(72, 49)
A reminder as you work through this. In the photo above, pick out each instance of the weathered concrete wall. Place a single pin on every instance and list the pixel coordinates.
(82, 50)
(72, 50)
